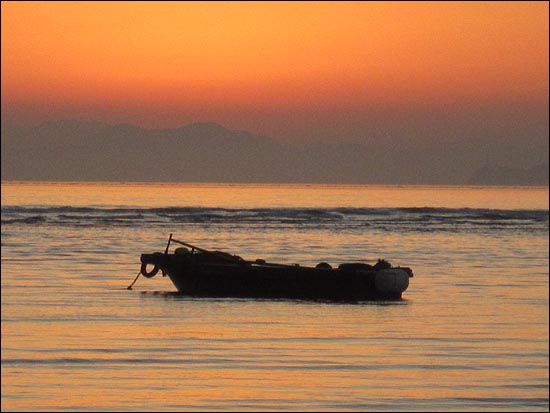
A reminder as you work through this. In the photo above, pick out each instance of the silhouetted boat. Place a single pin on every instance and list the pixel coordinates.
(203, 273)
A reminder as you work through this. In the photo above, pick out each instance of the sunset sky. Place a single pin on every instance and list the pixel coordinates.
(290, 70)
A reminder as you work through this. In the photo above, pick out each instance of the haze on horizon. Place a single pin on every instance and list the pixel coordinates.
(392, 74)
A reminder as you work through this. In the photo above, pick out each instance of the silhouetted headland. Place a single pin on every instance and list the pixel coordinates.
(75, 150)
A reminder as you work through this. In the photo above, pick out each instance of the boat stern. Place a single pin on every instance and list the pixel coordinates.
(392, 281)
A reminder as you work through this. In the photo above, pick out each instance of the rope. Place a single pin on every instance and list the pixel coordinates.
(133, 282)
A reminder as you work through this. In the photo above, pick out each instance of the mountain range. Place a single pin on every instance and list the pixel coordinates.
(74, 150)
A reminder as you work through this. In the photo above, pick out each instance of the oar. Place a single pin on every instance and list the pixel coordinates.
(231, 259)
(203, 250)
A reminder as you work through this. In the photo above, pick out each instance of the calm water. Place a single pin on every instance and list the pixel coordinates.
(470, 334)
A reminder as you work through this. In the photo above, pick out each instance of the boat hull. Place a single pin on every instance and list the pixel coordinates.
(198, 278)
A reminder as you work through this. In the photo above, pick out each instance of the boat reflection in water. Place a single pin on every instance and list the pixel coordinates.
(202, 273)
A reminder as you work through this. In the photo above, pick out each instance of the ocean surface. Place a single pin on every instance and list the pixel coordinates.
(470, 334)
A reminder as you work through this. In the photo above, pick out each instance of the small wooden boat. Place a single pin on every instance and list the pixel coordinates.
(198, 272)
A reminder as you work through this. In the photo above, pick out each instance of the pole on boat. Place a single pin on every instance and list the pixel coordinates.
(166, 251)
(168, 245)
(133, 282)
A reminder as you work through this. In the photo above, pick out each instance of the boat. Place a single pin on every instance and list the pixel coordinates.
(199, 272)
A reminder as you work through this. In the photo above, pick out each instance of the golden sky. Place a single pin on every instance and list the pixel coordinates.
(163, 64)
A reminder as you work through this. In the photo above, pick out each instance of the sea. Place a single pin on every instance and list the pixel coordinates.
(470, 333)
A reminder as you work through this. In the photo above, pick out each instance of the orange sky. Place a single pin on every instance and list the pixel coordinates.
(163, 64)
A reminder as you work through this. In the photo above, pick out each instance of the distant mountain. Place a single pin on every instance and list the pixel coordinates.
(501, 175)
(208, 152)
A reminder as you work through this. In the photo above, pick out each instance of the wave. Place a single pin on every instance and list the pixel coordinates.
(414, 219)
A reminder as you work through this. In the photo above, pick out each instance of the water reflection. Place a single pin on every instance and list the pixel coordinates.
(182, 297)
